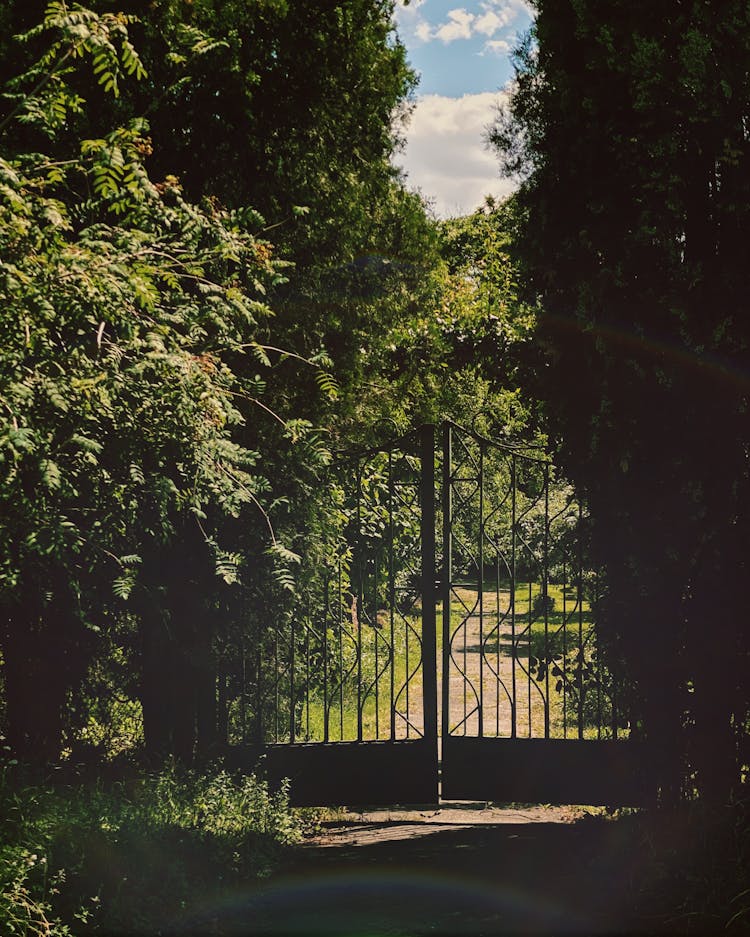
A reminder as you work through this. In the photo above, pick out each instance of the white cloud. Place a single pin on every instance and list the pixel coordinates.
(497, 47)
(523, 6)
(461, 23)
(445, 156)
(490, 22)
(459, 26)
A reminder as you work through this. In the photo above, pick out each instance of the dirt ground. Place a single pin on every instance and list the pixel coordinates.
(460, 869)
(482, 660)
(390, 824)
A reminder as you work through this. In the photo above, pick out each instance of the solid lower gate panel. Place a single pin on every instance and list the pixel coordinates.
(549, 771)
(351, 773)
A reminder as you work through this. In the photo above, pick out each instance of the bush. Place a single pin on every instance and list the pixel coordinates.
(133, 855)
(542, 603)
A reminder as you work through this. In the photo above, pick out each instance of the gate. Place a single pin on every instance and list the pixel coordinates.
(531, 707)
(343, 696)
(347, 698)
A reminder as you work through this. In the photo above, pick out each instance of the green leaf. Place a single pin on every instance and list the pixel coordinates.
(328, 384)
(86, 444)
(51, 474)
(131, 559)
(136, 473)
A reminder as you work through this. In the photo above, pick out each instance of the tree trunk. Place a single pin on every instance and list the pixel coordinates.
(45, 655)
(178, 690)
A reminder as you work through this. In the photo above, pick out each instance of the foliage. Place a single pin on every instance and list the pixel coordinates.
(166, 482)
(454, 334)
(292, 109)
(628, 130)
(692, 868)
(124, 310)
(79, 857)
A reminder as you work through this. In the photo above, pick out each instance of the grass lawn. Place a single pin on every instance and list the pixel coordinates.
(377, 679)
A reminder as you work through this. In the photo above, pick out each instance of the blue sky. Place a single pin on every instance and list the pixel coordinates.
(462, 54)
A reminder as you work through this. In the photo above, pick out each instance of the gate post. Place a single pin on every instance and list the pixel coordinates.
(429, 621)
(447, 580)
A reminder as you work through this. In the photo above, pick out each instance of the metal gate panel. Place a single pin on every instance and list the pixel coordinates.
(531, 702)
(342, 698)
(351, 773)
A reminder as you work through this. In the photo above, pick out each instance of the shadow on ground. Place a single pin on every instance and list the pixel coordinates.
(402, 877)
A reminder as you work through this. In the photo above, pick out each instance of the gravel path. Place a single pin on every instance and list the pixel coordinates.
(493, 674)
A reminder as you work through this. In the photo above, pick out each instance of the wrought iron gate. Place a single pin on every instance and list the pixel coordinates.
(348, 700)
(344, 700)
(531, 707)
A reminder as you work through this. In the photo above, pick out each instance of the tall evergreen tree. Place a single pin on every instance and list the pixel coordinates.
(630, 128)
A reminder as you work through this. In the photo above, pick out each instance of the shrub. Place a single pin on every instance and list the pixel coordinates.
(542, 603)
(134, 855)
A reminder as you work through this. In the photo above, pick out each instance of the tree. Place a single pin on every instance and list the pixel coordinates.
(628, 127)
(173, 249)
(276, 105)
(200, 516)
(489, 323)
(122, 313)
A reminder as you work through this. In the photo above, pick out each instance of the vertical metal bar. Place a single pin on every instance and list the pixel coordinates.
(324, 630)
(465, 675)
(307, 677)
(340, 592)
(375, 635)
(464, 663)
(392, 595)
(447, 583)
(259, 730)
(599, 663)
(292, 662)
(360, 702)
(407, 672)
(545, 576)
(497, 645)
(580, 623)
(359, 605)
(277, 681)
(429, 623)
(615, 697)
(480, 586)
(598, 688)
(565, 650)
(513, 713)
(528, 650)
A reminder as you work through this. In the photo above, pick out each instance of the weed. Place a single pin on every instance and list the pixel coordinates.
(134, 855)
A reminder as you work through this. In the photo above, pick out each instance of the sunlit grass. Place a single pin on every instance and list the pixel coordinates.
(375, 690)
(531, 679)
(371, 702)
